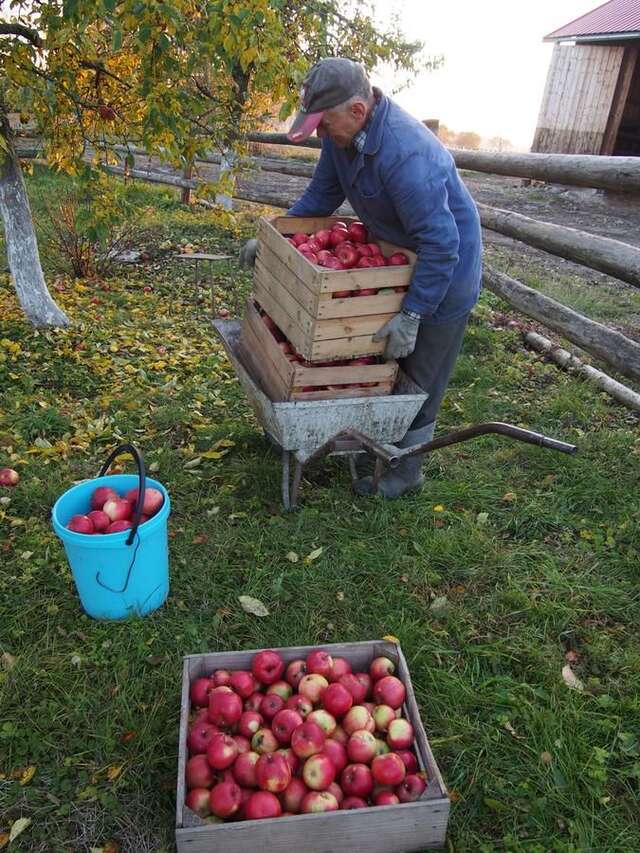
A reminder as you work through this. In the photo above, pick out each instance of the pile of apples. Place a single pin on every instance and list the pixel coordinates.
(344, 247)
(112, 513)
(309, 737)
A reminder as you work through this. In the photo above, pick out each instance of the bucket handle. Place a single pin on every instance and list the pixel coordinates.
(127, 448)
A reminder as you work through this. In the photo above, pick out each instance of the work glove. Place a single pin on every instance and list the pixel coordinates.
(401, 332)
(247, 257)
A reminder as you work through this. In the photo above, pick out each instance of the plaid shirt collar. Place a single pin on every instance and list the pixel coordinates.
(360, 138)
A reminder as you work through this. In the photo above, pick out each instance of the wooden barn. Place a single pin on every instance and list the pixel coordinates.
(591, 102)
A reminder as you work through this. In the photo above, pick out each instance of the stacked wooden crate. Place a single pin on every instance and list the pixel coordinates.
(312, 345)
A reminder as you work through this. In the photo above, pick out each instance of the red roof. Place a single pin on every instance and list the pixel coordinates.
(612, 18)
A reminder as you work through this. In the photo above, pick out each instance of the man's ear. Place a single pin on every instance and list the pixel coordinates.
(358, 110)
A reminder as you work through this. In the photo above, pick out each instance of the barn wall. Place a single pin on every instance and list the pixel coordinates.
(577, 98)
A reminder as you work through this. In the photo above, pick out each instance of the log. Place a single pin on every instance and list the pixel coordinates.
(565, 359)
(597, 339)
(612, 257)
(153, 177)
(621, 174)
(282, 139)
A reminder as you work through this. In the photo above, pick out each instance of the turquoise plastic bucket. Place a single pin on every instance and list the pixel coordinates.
(120, 574)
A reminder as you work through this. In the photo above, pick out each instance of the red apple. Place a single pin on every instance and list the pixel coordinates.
(198, 801)
(153, 500)
(400, 734)
(312, 686)
(354, 686)
(284, 724)
(324, 719)
(292, 241)
(379, 261)
(320, 662)
(388, 769)
(294, 795)
(318, 772)
(270, 705)
(199, 737)
(380, 667)
(310, 256)
(261, 805)
(333, 263)
(375, 249)
(325, 255)
(273, 772)
(318, 801)
(398, 259)
(118, 509)
(222, 751)
(337, 700)
(198, 772)
(337, 791)
(200, 716)
(221, 677)
(381, 747)
(292, 758)
(225, 799)
(101, 495)
(244, 769)
(340, 735)
(347, 255)
(341, 666)
(225, 707)
(267, 666)
(338, 235)
(307, 740)
(343, 294)
(370, 706)
(119, 526)
(199, 692)
(364, 263)
(337, 753)
(300, 704)
(357, 232)
(356, 780)
(254, 701)
(295, 671)
(300, 238)
(243, 683)
(100, 520)
(323, 237)
(363, 677)
(364, 250)
(382, 716)
(386, 798)
(264, 740)
(361, 748)
(368, 291)
(243, 743)
(249, 723)
(358, 718)
(350, 803)
(81, 524)
(411, 788)
(280, 688)
(389, 691)
(409, 759)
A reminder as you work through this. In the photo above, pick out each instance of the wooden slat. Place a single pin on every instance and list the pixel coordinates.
(376, 277)
(381, 390)
(268, 346)
(349, 326)
(269, 266)
(345, 348)
(261, 366)
(300, 338)
(286, 301)
(341, 375)
(182, 741)
(356, 306)
(289, 255)
(290, 225)
(619, 101)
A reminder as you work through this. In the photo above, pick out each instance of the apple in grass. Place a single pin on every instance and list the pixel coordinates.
(337, 753)
(388, 769)
(267, 666)
(294, 795)
(356, 780)
(325, 720)
(244, 769)
(285, 723)
(198, 801)
(100, 520)
(270, 705)
(301, 704)
(389, 691)
(225, 799)
(312, 686)
(273, 772)
(280, 688)
(199, 737)
(307, 740)
(411, 788)
(341, 666)
(243, 683)
(225, 707)
(101, 495)
(296, 670)
(318, 772)
(316, 802)
(380, 667)
(358, 718)
(198, 772)
(222, 751)
(264, 740)
(400, 734)
(361, 747)
(81, 524)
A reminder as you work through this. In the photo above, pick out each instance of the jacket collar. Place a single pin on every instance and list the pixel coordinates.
(374, 132)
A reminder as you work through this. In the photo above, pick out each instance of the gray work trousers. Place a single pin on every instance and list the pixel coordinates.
(431, 364)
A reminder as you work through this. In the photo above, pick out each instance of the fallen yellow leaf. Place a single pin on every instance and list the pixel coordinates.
(391, 639)
(27, 774)
(4, 840)
(438, 508)
(114, 771)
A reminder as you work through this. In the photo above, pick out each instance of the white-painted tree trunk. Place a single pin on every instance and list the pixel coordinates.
(20, 237)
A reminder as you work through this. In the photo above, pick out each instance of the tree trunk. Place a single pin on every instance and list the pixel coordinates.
(22, 246)
(597, 339)
(187, 193)
(598, 253)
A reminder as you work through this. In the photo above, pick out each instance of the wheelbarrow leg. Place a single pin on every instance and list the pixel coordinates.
(377, 473)
(295, 491)
(286, 464)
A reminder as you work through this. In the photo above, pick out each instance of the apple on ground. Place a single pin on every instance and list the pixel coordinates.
(262, 804)
(9, 477)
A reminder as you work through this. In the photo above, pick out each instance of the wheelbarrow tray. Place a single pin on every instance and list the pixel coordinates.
(303, 427)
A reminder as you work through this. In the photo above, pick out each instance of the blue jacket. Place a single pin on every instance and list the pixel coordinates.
(405, 188)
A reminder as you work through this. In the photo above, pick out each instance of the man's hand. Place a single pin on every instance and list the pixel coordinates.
(401, 332)
(247, 257)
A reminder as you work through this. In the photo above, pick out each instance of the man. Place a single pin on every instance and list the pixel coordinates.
(403, 184)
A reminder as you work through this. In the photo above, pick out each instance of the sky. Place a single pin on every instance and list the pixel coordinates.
(495, 68)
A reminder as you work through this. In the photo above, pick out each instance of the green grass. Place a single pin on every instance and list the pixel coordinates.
(536, 554)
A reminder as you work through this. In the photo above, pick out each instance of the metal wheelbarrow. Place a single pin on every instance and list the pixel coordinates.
(306, 431)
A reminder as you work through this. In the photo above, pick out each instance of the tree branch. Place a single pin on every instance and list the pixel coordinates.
(20, 30)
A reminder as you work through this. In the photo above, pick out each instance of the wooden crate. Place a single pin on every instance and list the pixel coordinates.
(298, 295)
(380, 829)
(283, 379)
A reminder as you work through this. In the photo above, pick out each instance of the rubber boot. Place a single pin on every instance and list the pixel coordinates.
(407, 477)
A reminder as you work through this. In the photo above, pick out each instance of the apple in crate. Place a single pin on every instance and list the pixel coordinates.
(225, 707)
(294, 795)
(300, 704)
(357, 718)
(353, 684)
(337, 753)
(324, 719)
(319, 801)
(270, 705)
(400, 734)
(199, 737)
(243, 683)
(357, 232)
(411, 788)
(198, 801)
(361, 747)
(409, 759)
(273, 772)
(285, 723)
(262, 804)
(280, 688)
(249, 723)
(318, 772)
(312, 686)
(389, 691)
(225, 799)
(80, 524)
(350, 803)
(295, 671)
(341, 666)
(244, 769)
(199, 692)
(386, 798)
(398, 259)
(382, 716)
(267, 666)
(388, 769)
(380, 667)
(307, 740)
(356, 780)
(198, 773)
(264, 740)
(337, 700)
(222, 751)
